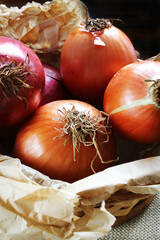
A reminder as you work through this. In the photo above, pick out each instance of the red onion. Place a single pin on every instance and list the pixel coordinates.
(54, 86)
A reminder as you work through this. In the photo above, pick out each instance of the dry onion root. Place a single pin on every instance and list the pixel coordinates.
(13, 76)
(155, 91)
(83, 129)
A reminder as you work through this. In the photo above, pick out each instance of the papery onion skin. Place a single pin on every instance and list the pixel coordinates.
(14, 111)
(90, 59)
(54, 86)
(140, 120)
(35, 145)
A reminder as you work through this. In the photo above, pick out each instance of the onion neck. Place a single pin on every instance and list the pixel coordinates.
(94, 25)
(14, 76)
(82, 128)
(155, 92)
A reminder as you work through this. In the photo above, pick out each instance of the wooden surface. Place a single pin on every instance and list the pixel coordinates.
(134, 212)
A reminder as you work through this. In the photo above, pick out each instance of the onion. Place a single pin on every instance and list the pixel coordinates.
(22, 82)
(132, 100)
(90, 57)
(54, 86)
(66, 140)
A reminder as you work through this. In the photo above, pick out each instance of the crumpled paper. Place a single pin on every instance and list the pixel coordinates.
(32, 206)
(43, 27)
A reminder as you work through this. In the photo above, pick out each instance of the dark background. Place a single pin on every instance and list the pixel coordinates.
(141, 21)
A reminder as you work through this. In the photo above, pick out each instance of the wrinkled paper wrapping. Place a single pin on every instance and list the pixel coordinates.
(43, 27)
(32, 206)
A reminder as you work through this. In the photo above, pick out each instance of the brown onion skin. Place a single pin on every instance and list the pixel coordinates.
(90, 59)
(137, 117)
(35, 146)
